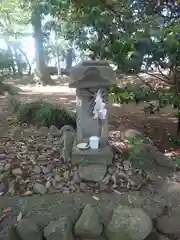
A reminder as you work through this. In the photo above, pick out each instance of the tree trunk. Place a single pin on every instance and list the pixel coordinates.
(41, 68)
(177, 84)
(178, 125)
(11, 59)
(27, 60)
(19, 70)
(69, 59)
(58, 60)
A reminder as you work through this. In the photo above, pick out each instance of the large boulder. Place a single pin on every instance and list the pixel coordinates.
(169, 223)
(132, 133)
(39, 188)
(59, 229)
(28, 230)
(147, 158)
(89, 224)
(128, 224)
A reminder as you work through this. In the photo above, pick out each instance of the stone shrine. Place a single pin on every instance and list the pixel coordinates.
(88, 77)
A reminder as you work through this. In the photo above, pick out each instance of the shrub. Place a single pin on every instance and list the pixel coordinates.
(42, 113)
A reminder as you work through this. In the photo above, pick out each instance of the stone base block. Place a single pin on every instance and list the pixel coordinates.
(92, 156)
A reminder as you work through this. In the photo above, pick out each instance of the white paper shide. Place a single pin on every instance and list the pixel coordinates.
(99, 111)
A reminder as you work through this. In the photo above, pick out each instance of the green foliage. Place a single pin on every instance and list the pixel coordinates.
(178, 114)
(6, 62)
(13, 20)
(12, 63)
(154, 100)
(43, 113)
(177, 161)
(134, 36)
(135, 143)
(131, 93)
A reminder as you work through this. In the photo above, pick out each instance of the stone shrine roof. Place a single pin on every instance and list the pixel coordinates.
(92, 74)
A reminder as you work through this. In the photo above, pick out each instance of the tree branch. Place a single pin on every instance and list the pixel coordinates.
(109, 7)
(164, 75)
(160, 78)
(144, 81)
(116, 14)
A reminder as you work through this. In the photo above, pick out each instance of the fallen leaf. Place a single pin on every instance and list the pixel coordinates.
(96, 198)
(130, 199)
(33, 162)
(116, 191)
(113, 179)
(27, 181)
(19, 217)
(11, 190)
(48, 184)
(114, 186)
(28, 193)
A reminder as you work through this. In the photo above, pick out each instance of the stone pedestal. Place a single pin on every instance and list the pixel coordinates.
(92, 156)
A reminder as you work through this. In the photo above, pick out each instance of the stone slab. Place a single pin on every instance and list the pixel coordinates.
(92, 156)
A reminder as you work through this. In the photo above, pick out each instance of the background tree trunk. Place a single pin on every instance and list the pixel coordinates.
(16, 58)
(58, 60)
(41, 67)
(69, 59)
(27, 60)
(11, 59)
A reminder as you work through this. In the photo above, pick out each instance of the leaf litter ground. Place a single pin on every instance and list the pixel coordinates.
(161, 129)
